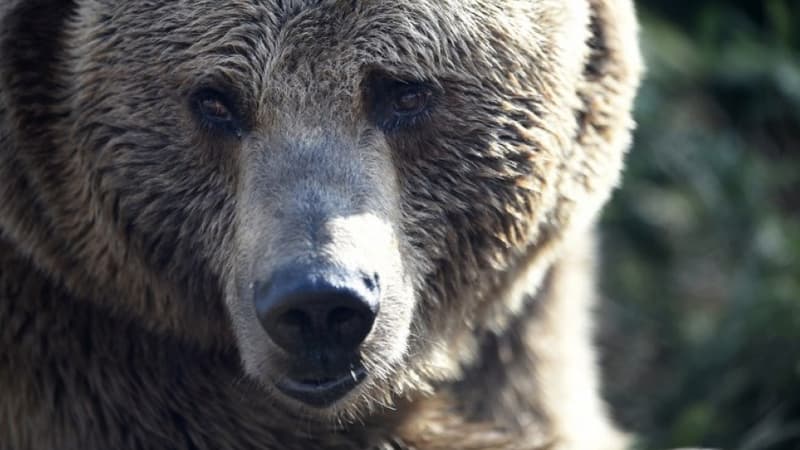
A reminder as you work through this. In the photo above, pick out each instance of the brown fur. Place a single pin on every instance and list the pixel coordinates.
(130, 236)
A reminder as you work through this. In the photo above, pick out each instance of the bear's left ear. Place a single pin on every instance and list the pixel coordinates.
(611, 74)
(604, 124)
(31, 42)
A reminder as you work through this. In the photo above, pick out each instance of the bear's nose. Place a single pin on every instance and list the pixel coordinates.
(310, 311)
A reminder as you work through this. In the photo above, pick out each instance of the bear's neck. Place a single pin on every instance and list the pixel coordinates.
(541, 373)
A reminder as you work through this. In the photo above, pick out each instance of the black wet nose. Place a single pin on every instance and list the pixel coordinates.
(311, 310)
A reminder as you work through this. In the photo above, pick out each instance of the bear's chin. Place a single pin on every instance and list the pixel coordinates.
(353, 406)
(336, 398)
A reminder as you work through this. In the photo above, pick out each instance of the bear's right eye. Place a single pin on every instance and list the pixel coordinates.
(215, 111)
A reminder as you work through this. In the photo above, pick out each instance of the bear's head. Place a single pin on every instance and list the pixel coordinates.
(344, 192)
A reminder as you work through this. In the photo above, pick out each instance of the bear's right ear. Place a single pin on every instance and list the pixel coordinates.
(31, 42)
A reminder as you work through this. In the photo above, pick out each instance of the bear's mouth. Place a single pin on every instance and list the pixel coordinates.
(321, 392)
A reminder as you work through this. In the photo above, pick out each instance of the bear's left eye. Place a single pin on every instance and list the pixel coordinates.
(412, 100)
(394, 104)
(215, 111)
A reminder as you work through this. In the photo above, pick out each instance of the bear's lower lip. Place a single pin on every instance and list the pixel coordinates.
(322, 392)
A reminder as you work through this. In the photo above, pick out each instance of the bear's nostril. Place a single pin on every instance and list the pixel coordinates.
(292, 326)
(347, 325)
(339, 317)
(296, 319)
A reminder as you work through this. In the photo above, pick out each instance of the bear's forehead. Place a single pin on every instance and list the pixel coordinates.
(340, 32)
(253, 43)
(290, 21)
(315, 49)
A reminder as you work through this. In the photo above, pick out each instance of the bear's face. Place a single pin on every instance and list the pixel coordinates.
(357, 180)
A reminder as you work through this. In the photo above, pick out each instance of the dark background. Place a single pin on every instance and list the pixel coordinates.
(701, 265)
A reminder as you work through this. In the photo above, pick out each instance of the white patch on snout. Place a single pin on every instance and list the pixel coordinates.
(363, 241)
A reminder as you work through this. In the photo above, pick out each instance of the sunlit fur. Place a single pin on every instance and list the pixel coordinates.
(132, 234)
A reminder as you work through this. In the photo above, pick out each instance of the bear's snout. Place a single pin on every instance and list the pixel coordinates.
(311, 310)
(319, 316)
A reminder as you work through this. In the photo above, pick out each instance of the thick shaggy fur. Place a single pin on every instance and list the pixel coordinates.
(131, 234)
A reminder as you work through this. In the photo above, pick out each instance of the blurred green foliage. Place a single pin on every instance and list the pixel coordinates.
(702, 242)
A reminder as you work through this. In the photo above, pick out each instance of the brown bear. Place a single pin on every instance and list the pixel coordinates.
(306, 224)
